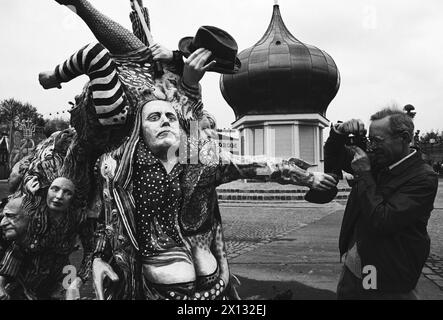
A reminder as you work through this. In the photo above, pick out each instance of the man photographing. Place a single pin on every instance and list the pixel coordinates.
(383, 234)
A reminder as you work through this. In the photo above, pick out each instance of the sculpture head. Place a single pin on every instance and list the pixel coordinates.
(14, 221)
(60, 195)
(160, 127)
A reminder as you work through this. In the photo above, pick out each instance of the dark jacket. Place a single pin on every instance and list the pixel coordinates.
(387, 213)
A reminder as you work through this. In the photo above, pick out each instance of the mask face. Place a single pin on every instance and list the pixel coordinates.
(14, 223)
(60, 195)
(160, 126)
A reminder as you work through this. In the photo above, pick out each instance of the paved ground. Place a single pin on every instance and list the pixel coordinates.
(304, 262)
(434, 266)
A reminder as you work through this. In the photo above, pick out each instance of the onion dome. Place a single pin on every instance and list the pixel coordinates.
(281, 75)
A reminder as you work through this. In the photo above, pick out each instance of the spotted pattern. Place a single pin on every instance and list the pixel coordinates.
(157, 200)
(202, 241)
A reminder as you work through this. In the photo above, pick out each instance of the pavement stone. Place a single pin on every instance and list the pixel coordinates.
(304, 264)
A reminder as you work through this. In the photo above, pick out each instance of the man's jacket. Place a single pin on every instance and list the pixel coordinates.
(387, 215)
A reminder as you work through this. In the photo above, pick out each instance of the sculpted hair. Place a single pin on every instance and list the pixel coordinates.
(399, 120)
(210, 118)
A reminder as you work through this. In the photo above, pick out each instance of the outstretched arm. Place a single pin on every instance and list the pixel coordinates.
(292, 171)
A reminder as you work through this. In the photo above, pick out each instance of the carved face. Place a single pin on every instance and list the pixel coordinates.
(160, 126)
(60, 195)
(14, 222)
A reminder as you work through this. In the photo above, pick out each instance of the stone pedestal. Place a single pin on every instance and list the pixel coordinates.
(283, 136)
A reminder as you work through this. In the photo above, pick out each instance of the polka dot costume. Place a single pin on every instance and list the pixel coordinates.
(157, 197)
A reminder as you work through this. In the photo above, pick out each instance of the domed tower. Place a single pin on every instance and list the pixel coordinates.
(280, 95)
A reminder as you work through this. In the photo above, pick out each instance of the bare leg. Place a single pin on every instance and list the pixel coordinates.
(112, 35)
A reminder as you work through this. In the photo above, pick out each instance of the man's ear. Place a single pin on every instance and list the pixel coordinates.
(406, 136)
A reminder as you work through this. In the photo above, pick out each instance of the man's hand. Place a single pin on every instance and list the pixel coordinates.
(353, 126)
(361, 161)
(195, 67)
(100, 270)
(48, 80)
(161, 53)
(3, 294)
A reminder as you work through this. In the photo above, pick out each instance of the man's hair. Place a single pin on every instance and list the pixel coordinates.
(399, 121)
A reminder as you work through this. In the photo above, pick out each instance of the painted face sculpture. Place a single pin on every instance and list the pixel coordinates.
(60, 195)
(14, 222)
(160, 125)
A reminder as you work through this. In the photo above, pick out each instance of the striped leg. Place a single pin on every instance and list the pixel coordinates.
(107, 91)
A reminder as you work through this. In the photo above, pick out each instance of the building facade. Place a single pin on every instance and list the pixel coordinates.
(280, 95)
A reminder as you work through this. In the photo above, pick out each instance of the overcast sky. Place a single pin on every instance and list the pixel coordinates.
(387, 51)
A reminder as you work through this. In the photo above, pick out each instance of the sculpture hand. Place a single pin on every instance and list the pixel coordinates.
(100, 270)
(161, 53)
(48, 80)
(195, 67)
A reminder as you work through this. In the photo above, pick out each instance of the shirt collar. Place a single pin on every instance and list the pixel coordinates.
(392, 166)
(144, 152)
(151, 160)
